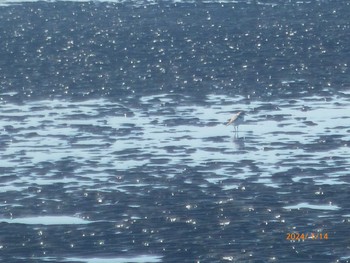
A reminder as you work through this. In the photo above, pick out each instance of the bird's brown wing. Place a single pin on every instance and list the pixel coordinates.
(233, 118)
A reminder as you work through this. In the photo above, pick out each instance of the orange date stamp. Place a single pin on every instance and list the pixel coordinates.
(306, 236)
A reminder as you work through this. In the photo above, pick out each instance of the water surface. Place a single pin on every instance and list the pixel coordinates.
(113, 139)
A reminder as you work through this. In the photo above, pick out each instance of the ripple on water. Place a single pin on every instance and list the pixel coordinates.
(146, 176)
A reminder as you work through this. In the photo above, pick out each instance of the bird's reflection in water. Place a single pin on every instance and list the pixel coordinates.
(238, 141)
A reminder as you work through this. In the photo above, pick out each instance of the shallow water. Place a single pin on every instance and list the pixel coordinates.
(155, 174)
(110, 154)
